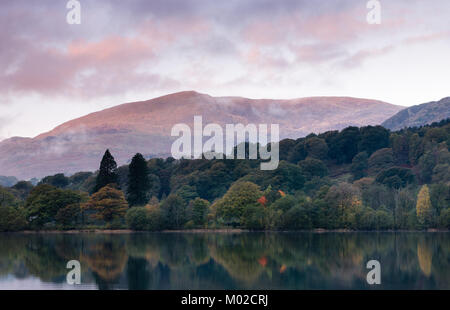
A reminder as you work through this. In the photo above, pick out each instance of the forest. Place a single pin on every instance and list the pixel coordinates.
(366, 178)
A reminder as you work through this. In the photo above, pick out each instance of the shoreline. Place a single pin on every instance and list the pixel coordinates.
(221, 231)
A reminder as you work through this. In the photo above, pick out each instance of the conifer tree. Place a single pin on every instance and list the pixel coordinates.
(138, 181)
(107, 173)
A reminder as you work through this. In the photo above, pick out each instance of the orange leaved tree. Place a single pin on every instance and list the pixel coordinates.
(109, 204)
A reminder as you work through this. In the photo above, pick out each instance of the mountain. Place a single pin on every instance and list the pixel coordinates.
(145, 127)
(419, 115)
(7, 181)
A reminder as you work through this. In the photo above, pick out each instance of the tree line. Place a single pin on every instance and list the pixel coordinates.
(364, 178)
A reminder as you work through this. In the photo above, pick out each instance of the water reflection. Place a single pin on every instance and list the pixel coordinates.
(226, 261)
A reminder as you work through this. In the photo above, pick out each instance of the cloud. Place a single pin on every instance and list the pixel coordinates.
(151, 45)
(360, 56)
(84, 67)
(4, 123)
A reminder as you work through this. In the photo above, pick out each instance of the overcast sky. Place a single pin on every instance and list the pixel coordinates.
(123, 51)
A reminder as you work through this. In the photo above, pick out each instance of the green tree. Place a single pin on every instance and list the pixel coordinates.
(284, 203)
(444, 219)
(400, 147)
(107, 173)
(423, 208)
(360, 165)
(145, 218)
(366, 219)
(78, 181)
(345, 199)
(426, 164)
(377, 195)
(404, 203)
(7, 198)
(174, 212)
(440, 196)
(344, 146)
(22, 189)
(415, 148)
(200, 209)
(380, 160)
(395, 177)
(57, 180)
(69, 216)
(230, 208)
(384, 219)
(137, 218)
(12, 219)
(285, 146)
(45, 201)
(316, 148)
(187, 192)
(298, 152)
(312, 167)
(254, 217)
(373, 138)
(436, 135)
(296, 218)
(155, 217)
(138, 181)
(287, 177)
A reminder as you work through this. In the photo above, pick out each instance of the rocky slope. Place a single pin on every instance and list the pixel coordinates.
(420, 115)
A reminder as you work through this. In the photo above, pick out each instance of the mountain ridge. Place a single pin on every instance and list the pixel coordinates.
(419, 115)
(145, 127)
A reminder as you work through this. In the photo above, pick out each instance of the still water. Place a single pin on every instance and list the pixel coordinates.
(225, 260)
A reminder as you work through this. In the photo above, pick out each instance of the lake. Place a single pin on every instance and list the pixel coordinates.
(409, 260)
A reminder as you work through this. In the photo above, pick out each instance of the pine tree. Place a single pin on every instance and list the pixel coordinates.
(423, 207)
(138, 181)
(108, 171)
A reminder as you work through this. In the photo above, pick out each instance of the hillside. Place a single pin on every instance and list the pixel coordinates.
(145, 127)
(420, 115)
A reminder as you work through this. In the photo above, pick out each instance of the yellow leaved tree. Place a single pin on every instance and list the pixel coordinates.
(423, 207)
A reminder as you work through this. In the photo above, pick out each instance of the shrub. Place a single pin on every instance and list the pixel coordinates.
(137, 218)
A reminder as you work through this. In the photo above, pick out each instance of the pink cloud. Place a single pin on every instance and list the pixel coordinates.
(111, 61)
(73, 61)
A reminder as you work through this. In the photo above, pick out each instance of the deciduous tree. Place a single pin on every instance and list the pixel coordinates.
(109, 204)
(423, 208)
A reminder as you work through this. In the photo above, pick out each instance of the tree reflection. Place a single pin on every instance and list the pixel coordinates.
(231, 261)
(425, 255)
(106, 257)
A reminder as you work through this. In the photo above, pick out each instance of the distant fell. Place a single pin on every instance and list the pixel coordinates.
(145, 127)
(420, 115)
